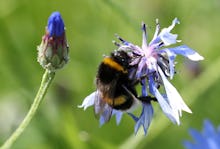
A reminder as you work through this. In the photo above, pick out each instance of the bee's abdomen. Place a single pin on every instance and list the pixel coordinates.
(128, 102)
(121, 102)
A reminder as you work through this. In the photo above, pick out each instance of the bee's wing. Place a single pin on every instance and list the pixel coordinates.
(102, 110)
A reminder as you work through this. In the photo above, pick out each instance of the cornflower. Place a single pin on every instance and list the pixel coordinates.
(209, 138)
(152, 65)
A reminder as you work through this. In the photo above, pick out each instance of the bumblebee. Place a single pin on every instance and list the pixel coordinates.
(115, 90)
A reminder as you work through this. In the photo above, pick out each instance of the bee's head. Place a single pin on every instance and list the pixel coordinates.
(121, 57)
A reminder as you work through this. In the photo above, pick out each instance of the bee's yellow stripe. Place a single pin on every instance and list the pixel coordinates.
(113, 64)
(116, 101)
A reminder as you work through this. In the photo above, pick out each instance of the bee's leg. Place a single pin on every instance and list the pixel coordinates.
(129, 92)
(138, 80)
(147, 98)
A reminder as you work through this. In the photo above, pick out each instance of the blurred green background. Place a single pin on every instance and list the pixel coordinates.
(90, 28)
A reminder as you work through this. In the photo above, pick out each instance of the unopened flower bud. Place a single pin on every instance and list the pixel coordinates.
(53, 50)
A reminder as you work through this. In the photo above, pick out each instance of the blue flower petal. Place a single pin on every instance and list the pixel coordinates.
(166, 108)
(55, 24)
(208, 139)
(105, 115)
(187, 52)
(135, 118)
(199, 139)
(165, 36)
(211, 134)
(174, 22)
(118, 115)
(102, 120)
(168, 38)
(189, 145)
(147, 115)
(171, 65)
(213, 144)
(171, 58)
(175, 100)
(196, 136)
(208, 129)
(144, 87)
(88, 101)
(144, 119)
(218, 132)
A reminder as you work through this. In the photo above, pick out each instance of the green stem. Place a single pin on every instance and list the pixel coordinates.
(45, 83)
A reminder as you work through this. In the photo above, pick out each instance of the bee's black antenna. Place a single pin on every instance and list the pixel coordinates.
(122, 40)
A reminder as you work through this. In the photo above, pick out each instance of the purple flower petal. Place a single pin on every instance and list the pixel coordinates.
(153, 41)
(144, 39)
